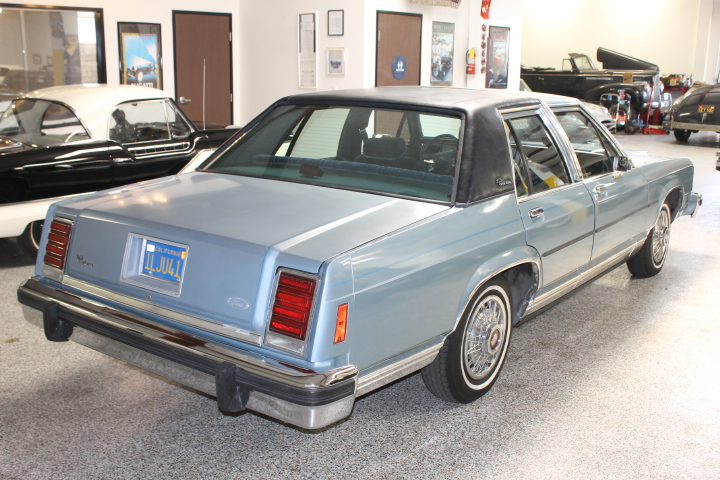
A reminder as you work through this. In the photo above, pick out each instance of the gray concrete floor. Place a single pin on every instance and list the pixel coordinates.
(621, 381)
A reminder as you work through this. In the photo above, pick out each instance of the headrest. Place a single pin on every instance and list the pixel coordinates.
(385, 147)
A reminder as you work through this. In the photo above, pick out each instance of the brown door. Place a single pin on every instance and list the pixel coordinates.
(398, 49)
(203, 67)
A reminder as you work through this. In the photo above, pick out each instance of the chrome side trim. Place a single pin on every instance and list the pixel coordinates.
(389, 373)
(554, 294)
(207, 324)
(254, 363)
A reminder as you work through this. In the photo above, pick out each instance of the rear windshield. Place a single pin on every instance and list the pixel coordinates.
(396, 152)
(41, 123)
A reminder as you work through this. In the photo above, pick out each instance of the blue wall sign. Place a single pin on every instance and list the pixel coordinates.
(399, 65)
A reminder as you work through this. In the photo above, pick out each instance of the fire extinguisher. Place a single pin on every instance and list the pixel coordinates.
(470, 60)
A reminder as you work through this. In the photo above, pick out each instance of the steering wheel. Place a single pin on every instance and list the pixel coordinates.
(437, 143)
(76, 132)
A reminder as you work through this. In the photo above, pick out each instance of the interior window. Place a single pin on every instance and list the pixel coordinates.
(62, 124)
(590, 149)
(139, 122)
(545, 165)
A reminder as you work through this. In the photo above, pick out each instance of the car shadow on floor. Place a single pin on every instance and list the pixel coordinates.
(11, 255)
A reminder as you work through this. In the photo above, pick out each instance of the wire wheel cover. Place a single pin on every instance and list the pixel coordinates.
(661, 237)
(485, 337)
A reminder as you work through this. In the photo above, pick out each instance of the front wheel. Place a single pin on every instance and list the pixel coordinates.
(649, 260)
(29, 241)
(473, 355)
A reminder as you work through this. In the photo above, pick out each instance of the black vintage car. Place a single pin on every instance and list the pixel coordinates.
(697, 110)
(625, 94)
(75, 139)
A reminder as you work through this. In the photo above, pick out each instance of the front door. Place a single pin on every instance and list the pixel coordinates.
(398, 49)
(203, 67)
(616, 226)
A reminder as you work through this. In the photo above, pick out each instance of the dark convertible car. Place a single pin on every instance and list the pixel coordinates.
(74, 139)
(626, 85)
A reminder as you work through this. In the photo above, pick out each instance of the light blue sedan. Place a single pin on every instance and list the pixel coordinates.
(343, 240)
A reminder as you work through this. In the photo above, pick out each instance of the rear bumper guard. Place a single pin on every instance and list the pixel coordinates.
(693, 202)
(239, 380)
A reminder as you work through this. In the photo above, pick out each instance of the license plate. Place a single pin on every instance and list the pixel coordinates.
(164, 261)
(706, 108)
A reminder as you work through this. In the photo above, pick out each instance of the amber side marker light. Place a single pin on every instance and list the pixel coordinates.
(341, 323)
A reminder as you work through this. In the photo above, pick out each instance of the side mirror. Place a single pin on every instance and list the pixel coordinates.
(621, 164)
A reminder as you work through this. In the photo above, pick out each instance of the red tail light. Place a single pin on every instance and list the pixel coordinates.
(57, 244)
(292, 305)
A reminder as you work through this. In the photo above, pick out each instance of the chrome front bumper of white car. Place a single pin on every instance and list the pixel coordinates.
(239, 380)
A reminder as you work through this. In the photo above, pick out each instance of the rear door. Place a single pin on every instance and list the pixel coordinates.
(557, 210)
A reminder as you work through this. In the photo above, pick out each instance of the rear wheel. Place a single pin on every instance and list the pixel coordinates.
(29, 241)
(682, 135)
(473, 355)
(651, 257)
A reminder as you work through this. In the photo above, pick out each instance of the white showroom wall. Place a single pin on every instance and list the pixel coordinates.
(269, 59)
(678, 35)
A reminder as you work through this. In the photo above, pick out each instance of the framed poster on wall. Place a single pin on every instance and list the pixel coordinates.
(443, 49)
(140, 54)
(497, 57)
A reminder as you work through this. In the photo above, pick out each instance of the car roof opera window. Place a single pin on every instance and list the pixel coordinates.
(376, 150)
(146, 121)
(542, 167)
(593, 151)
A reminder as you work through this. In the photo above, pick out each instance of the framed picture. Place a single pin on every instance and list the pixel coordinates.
(443, 52)
(335, 61)
(140, 54)
(336, 22)
(497, 57)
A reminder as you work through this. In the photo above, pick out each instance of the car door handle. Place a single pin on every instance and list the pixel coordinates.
(601, 191)
(537, 213)
(184, 100)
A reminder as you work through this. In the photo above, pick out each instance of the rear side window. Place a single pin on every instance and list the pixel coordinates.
(386, 151)
(146, 121)
(544, 166)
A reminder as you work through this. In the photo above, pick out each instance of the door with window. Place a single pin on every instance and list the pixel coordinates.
(612, 191)
(154, 134)
(557, 212)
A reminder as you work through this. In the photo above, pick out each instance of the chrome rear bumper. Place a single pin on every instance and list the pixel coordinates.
(238, 379)
(693, 202)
